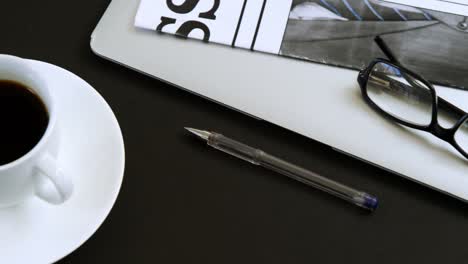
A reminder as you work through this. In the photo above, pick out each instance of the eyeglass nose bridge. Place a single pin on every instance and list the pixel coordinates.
(442, 133)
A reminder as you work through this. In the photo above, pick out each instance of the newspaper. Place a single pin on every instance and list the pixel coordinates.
(429, 37)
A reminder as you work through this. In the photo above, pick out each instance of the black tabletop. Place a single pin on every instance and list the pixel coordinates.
(182, 202)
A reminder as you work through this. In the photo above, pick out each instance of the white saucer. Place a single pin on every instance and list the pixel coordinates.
(92, 152)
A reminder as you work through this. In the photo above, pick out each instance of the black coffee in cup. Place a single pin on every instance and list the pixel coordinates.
(23, 120)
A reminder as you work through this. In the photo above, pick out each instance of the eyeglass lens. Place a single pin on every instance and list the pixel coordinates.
(400, 94)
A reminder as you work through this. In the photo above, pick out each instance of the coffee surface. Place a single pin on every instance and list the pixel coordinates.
(23, 120)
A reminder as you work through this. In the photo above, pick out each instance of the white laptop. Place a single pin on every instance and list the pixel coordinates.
(318, 101)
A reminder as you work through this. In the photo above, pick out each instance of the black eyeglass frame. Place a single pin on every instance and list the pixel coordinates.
(446, 134)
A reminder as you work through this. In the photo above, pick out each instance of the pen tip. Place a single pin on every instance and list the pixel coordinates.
(199, 133)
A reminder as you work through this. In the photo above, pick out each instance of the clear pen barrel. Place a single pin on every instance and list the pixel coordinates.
(307, 177)
(234, 148)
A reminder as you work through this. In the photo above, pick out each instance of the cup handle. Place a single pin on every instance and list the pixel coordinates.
(51, 184)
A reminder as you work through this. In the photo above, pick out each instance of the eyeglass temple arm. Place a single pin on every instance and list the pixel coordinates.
(450, 108)
(385, 49)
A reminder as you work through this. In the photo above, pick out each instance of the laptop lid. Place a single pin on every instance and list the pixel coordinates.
(318, 101)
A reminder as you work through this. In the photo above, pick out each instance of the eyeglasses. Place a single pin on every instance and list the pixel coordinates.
(408, 99)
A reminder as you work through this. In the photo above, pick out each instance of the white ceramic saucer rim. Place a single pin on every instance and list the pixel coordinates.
(106, 212)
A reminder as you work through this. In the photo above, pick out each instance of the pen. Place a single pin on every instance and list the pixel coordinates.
(261, 158)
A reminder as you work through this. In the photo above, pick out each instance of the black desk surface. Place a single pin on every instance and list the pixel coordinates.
(182, 202)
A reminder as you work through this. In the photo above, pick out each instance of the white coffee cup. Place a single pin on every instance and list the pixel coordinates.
(37, 172)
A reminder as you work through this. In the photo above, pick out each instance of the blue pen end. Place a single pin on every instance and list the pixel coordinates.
(370, 202)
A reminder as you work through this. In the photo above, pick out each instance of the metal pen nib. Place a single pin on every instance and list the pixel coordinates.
(199, 133)
(259, 157)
